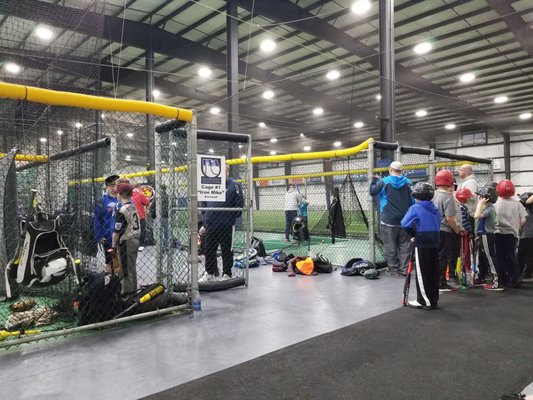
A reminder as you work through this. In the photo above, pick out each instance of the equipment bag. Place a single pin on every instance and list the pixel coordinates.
(305, 266)
(259, 246)
(100, 298)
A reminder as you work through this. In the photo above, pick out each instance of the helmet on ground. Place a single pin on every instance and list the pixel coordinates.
(371, 273)
(423, 191)
(252, 259)
(463, 195)
(488, 192)
(356, 266)
(444, 178)
(505, 188)
(297, 224)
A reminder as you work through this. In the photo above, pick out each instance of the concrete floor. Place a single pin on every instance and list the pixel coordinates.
(236, 325)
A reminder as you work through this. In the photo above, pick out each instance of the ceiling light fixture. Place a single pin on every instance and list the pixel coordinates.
(78, 125)
(204, 72)
(156, 93)
(129, 134)
(12, 68)
(175, 144)
(360, 7)
(268, 94)
(500, 99)
(332, 75)
(44, 33)
(358, 124)
(302, 135)
(273, 140)
(211, 151)
(526, 115)
(378, 97)
(307, 148)
(128, 158)
(102, 116)
(267, 45)
(262, 125)
(59, 132)
(450, 126)
(318, 111)
(423, 48)
(337, 144)
(214, 110)
(43, 140)
(241, 146)
(273, 153)
(243, 156)
(468, 77)
(421, 113)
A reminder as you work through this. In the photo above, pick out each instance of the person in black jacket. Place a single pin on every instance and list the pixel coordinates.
(217, 230)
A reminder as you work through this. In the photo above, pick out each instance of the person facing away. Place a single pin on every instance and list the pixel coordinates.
(292, 200)
(126, 235)
(217, 229)
(104, 218)
(511, 218)
(525, 246)
(141, 203)
(445, 203)
(395, 199)
(422, 223)
(485, 214)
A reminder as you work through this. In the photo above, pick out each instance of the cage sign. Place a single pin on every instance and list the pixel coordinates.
(211, 178)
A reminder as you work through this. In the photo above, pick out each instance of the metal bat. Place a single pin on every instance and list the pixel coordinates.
(407, 284)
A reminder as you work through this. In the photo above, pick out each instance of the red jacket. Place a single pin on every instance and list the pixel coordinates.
(140, 201)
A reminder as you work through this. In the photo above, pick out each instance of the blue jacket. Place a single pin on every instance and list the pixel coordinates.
(104, 218)
(234, 199)
(394, 197)
(423, 221)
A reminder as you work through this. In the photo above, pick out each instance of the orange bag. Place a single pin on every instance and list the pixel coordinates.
(306, 266)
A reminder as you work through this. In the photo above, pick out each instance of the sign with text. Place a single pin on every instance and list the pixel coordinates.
(211, 178)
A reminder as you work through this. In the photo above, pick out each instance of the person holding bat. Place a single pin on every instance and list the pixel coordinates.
(422, 223)
(126, 238)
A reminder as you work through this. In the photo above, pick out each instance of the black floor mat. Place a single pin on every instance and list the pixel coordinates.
(479, 345)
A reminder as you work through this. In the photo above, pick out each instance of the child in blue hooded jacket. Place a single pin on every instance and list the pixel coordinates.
(422, 222)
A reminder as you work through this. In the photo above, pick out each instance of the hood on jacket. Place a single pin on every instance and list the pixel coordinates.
(397, 181)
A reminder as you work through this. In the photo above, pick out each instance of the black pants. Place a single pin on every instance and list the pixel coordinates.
(506, 258)
(143, 232)
(289, 217)
(455, 253)
(525, 257)
(427, 276)
(487, 255)
(218, 235)
(446, 239)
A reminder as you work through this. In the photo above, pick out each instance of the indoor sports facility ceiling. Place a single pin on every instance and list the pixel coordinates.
(437, 42)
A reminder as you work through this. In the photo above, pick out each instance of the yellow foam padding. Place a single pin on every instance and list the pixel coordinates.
(69, 99)
(28, 157)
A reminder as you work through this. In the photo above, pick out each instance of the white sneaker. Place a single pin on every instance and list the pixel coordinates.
(414, 303)
(141, 248)
(206, 278)
(225, 277)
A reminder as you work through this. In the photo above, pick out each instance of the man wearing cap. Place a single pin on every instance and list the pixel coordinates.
(104, 217)
(395, 199)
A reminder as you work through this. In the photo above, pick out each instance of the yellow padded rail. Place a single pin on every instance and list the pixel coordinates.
(28, 157)
(68, 99)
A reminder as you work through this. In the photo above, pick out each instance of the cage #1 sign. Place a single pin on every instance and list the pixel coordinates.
(211, 178)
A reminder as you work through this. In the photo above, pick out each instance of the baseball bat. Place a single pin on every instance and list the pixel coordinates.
(407, 284)
(147, 297)
(464, 243)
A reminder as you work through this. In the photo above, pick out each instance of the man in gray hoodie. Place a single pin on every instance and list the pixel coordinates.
(395, 199)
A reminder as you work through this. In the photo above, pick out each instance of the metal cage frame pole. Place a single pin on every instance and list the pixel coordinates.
(491, 171)
(248, 233)
(398, 152)
(431, 166)
(193, 201)
(371, 230)
(158, 227)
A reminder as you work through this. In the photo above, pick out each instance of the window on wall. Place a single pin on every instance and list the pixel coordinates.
(474, 138)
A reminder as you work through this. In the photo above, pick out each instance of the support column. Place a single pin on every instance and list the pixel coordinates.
(232, 65)
(327, 166)
(255, 172)
(150, 155)
(507, 154)
(387, 75)
(288, 170)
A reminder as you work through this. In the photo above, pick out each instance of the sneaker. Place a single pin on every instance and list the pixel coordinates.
(225, 277)
(444, 287)
(454, 281)
(206, 278)
(527, 280)
(479, 282)
(416, 304)
(141, 248)
(493, 287)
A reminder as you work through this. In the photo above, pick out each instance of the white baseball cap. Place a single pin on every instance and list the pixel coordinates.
(396, 165)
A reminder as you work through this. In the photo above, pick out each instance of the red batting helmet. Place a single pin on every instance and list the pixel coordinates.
(463, 195)
(444, 178)
(505, 188)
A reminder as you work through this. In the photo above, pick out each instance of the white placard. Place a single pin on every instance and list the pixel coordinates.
(211, 178)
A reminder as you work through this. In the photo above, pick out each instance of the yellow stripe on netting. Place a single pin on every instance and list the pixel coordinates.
(69, 99)
(28, 157)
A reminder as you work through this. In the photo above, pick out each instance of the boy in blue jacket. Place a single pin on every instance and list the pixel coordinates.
(395, 199)
(422, 222)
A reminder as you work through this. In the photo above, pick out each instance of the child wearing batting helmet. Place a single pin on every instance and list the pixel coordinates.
(422, 222)
(511, 217)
